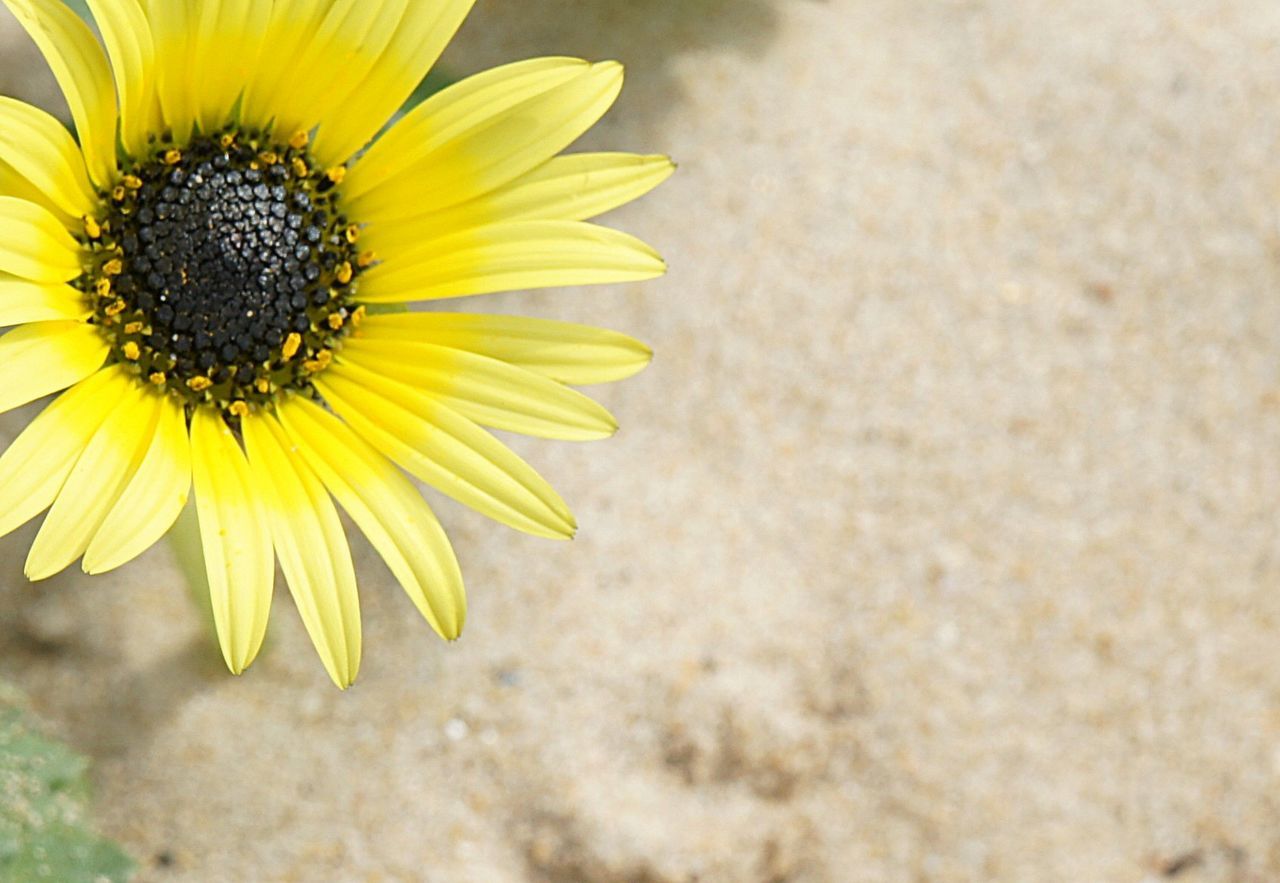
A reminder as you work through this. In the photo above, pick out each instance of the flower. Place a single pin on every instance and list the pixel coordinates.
(212, 272)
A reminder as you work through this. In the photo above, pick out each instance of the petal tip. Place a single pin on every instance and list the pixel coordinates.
(40, 567)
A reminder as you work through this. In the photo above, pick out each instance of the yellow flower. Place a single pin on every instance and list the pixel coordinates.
(204, 270)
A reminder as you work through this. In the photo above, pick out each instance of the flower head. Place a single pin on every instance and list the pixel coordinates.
(206, 274)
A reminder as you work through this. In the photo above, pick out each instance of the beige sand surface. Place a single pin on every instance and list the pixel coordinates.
(939, 543)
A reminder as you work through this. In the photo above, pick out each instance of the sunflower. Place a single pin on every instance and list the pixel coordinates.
(213, 276)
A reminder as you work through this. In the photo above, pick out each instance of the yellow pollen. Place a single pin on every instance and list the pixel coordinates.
(336, 174)
(263, 385)
(353, 233)
(299, 140)
(300, 168)
(268, 158)
(345, 272)
(323, 360)
(133, 328)
(116, 308)
(366, 258)
(92, 228)
(133, 182)
(357, 317)
(239, 409)
(292, 344)
(103, 287)
(336, 321)
(227, 140)
(172, 157)
(199, 384)
(131, 351)
(157, 378)
(118, 193)
(113, 267)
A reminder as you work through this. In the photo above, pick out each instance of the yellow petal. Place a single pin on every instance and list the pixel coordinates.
(509, 257)
(569, 353)
(236, 539)
(81, 68)
(22, 302)
(226, 44)
(15, 184)
(40, 149)
(387, 508)
(291, 27)
(342, 50)
(173, 27)
(151, 502)
(365, 105)
(127, 35)
(37, 463)
(495, 149)
(104, 469)
(490, 392)
(311, 546)
(452, 112)
(34, 244)
(567, 188)
(447, 451)
(44, 357)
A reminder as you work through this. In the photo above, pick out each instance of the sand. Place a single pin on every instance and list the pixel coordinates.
(938, 544)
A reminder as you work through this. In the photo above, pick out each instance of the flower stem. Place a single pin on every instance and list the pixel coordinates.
(184, 539)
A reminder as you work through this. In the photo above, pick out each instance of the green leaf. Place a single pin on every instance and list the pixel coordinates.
(81, 7)
(435, 81)
(43, 817)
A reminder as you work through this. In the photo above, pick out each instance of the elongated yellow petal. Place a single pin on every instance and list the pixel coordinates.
(173, 34)
(449, 114)
(127, 34)
(226, 44)
(497, 149)
(34, 468)
(365, 105)
(44, 357)
(387, 508)
(490, 392)
(509, 257)
(341, 51)
(311, 546)
(81, 68)
(447, 451)
(569, 353)
(104, 469)
(236, 538)
(291, 27)
(22, 302)
(567, 188)
(40, 149)
(15, 184)
(153, 499)
(34, 244)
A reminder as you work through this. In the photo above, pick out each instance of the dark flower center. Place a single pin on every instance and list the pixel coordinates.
(224, 270)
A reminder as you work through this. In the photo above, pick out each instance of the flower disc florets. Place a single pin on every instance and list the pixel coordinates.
(224, 270)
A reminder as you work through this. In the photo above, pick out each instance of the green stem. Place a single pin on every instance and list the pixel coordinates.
(184, 539)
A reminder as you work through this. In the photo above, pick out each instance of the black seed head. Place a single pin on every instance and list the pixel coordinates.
(222, 280)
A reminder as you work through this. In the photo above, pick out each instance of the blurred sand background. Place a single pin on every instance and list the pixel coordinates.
(939, 543)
